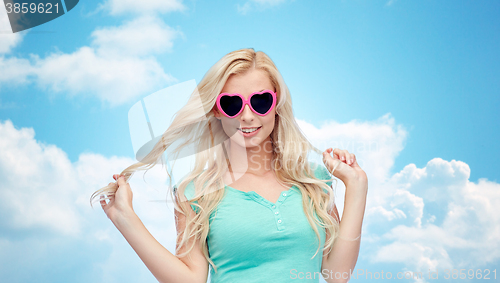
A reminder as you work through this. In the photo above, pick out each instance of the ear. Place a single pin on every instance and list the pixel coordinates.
(216, 112)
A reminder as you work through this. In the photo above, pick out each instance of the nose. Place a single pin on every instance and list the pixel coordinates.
(247, 114)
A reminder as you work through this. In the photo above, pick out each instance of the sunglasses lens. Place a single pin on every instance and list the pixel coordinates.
(231, 105)
(262, 102)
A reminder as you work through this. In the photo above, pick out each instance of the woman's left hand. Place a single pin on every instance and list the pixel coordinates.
(346, 167)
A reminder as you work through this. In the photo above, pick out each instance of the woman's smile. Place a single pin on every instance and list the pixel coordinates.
(249, 132)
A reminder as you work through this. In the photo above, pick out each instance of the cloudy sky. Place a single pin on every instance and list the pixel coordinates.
(411, 87)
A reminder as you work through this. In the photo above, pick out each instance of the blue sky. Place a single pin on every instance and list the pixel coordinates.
(418, 78)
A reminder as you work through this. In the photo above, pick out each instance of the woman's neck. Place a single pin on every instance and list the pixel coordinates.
(254, 160)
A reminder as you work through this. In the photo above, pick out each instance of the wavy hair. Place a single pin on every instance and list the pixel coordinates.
(205, 133)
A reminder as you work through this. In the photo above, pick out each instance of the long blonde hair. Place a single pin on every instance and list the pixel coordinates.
(205, 132)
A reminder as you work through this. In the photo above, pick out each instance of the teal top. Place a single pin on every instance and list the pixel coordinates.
(252, 239)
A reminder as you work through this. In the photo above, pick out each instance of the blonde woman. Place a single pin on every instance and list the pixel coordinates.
(253, 208)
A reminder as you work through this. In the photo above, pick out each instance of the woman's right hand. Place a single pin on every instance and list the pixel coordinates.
(119, 204)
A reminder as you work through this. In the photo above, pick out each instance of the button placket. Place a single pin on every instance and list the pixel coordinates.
(279, 221)
(275, 207)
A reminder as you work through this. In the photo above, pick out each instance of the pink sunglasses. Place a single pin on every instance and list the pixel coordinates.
(232, 104)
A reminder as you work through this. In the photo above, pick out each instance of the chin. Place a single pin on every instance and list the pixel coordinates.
(247, 144)
(254, 143)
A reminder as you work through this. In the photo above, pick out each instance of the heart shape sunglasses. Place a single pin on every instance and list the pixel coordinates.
(232, 104)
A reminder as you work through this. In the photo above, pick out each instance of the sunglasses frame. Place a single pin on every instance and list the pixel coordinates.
(246, 102)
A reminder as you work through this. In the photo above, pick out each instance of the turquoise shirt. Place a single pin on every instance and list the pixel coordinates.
(252, 239)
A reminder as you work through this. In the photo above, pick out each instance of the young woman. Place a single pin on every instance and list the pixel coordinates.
(253, 207)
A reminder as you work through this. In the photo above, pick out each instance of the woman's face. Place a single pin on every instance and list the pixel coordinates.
(245, 84)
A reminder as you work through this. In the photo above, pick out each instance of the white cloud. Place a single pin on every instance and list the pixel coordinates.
(117, 68)
(118, 7)
(8, 40)
(462, 226)
(423, 218)
(115, 80)
(15, 71)
(389, 215)
(375, 143)
(35, 178)
(138, 37)
(47, 220)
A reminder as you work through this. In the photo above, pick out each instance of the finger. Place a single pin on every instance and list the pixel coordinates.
(354, 161)
(327, 153)
(348, 157)
(103, 202)
(351, 158)
(111, 199)
(121, 181)
(332, 162)
(337, 153)
(116, 176)
(340, 153)
(335, 156)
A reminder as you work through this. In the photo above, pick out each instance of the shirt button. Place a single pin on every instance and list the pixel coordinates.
(284, 194)
(274, 206)
(279, 221)
(276, 212)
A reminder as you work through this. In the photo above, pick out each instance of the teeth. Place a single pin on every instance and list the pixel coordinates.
(249, 130)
